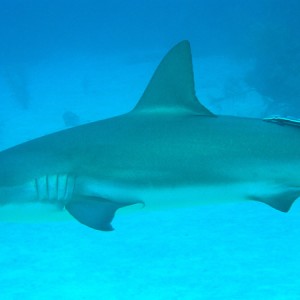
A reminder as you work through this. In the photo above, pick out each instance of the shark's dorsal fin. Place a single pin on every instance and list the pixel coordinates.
(171, 88)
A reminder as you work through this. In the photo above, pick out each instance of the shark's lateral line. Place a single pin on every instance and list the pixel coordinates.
(169, 150)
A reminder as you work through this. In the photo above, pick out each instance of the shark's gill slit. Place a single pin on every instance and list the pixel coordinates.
(57, 188)
(64, 187)
(47, 188)
(70, 186)
(61, 187)
(37, 189)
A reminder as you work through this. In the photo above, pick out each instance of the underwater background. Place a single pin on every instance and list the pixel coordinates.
(66, 63)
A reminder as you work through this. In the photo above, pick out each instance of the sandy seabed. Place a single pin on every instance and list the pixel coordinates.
(245, 251)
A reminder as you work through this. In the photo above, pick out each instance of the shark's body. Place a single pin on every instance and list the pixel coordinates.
(169, 150)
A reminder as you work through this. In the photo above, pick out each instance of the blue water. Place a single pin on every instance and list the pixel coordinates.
(93, 59)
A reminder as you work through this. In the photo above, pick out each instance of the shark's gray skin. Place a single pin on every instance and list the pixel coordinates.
(168, 151)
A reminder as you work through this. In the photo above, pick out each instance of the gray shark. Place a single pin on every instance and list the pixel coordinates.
(168, 151)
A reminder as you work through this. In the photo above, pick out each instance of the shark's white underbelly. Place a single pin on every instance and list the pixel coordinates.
(163, 197)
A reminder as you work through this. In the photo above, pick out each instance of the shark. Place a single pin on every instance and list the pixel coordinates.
(168, 151)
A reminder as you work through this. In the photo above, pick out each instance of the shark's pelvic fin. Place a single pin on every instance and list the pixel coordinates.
(171, 88)
(281, 200)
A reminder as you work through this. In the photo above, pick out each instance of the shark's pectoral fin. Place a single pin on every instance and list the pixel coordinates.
(281, 200)
(94, 212)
